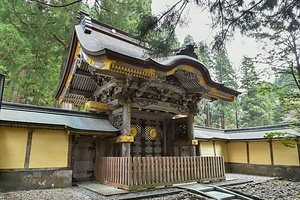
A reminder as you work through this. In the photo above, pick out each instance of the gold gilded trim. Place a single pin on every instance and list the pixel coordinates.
(213, 90)
(108, 64)
(145, 74)
(68, 82)
(232, 98)
(133, 131)
(91, 61)
(150, 72)
(193, 142)
(96, 106)
(172, 71)
(74, 101)
(78, 48)
(60, 99)
(216, 94)
(189, 68)
(153, 133)
(125, 138)
(201, 80)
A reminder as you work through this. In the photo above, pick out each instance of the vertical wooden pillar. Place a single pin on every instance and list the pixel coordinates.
(248, 152)
(164, 138)
(198, 149)
(190, 129)
(214, 146)
(125, 152)
(70, 149)
(28, 148)
(298, 147)
(271, 152)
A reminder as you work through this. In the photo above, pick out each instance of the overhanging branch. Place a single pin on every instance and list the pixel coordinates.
(56, 6)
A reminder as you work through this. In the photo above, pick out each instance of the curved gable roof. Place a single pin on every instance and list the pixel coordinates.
(100, 41)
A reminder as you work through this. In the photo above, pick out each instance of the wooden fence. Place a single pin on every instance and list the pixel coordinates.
(133, 173)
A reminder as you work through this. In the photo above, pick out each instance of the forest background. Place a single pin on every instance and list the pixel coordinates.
(35, 36)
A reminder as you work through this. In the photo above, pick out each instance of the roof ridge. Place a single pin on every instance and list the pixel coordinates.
(48, 110)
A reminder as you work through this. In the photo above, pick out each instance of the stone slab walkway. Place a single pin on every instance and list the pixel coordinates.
(101, 188)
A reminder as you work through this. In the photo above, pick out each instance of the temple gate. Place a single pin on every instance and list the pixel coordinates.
(152, 101)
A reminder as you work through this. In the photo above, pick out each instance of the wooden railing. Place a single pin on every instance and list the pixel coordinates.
(132, 173)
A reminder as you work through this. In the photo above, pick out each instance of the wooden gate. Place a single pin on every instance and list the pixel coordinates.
(148, 138)
(84, 153)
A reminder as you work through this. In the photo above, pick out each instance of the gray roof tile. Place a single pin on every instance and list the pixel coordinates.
(253, 133)
(16, 113)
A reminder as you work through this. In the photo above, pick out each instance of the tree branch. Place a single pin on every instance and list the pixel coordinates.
(59, 40)
(56, 6)
(157, 20)
(294, 76)
(236, 19)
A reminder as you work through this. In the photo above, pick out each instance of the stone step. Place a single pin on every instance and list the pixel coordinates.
(220, 195)
(211, 191)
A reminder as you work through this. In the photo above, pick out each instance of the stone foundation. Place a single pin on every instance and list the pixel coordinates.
(35, 179)
(287, 172)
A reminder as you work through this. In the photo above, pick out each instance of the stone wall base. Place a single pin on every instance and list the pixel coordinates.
(35, 179)
(286, 172)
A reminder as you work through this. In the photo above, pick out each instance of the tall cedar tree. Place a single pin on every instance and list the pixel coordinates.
(35, 37)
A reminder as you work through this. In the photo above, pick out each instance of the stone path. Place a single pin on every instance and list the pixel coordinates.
(260, 187)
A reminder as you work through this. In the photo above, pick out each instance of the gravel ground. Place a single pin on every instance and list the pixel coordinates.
(84, 194)
(245, 177)
(260, 188)
(65, 193)
(271, 189)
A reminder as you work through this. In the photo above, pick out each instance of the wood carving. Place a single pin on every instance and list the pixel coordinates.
(117, 120)
(153, 133)
(133, 131)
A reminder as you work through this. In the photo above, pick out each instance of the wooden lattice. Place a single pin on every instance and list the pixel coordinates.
(180, 130)
(148, 129)
(139, 131)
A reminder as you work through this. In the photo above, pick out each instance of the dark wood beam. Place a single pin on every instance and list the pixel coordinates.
(80, 72)
(81, 92)
(139, 114)
(166, 86)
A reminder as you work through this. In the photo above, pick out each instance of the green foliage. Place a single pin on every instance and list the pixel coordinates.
(287, 96)
(257, 108)
(35, 38)
(287, 139)
(220, 113)
(228, 16)
(249, 75)
(189, 40)
(123, 15)
(158, 31)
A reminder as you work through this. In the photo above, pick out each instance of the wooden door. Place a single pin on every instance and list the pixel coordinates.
(148, 139)
(84, 153)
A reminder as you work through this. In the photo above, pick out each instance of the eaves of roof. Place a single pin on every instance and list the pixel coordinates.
(252, 133)
(117, 45)
(42, 116)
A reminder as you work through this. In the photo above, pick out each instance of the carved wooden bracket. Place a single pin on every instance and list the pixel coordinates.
(125, 139)
(192, 142)
(96, 106)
